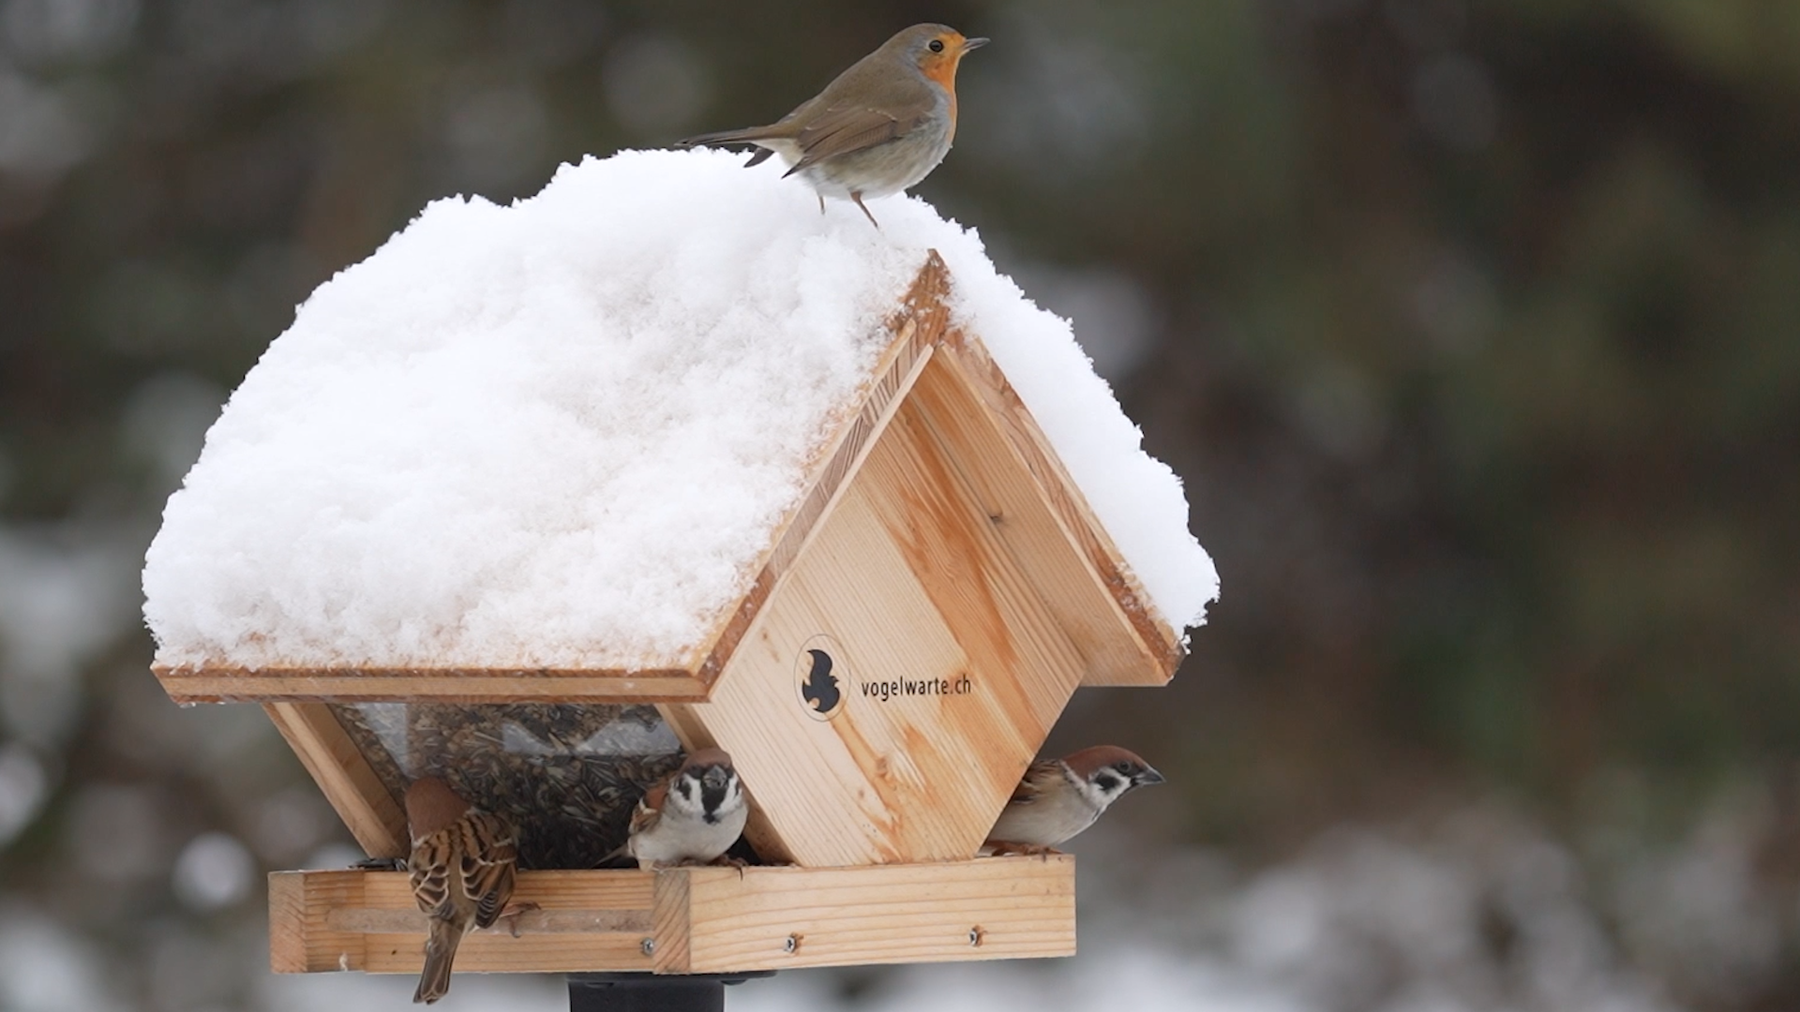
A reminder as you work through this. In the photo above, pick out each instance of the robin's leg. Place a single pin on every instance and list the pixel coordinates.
(857, 196)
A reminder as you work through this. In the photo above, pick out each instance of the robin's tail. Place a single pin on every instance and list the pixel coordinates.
(440, 952)
(748, 135)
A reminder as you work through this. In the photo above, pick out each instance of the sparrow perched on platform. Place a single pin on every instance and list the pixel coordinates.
(877, 128)
(1058, 798)
(463, 865)
(693, 816)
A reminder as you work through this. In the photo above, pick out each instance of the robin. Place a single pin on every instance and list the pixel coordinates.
(878, 128)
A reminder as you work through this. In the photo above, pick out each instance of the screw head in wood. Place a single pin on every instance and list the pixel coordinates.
(792, 944)
(976, 935)
(648, 947)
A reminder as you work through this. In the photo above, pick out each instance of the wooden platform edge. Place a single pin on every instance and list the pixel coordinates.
(693, 920)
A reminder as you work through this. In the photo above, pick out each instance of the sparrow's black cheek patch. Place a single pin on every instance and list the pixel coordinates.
(1107, 782)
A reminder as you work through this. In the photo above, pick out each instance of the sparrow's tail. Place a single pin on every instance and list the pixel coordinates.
(440, 952)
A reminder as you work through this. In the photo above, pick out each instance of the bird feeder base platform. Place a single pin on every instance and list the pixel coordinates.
(692, 920)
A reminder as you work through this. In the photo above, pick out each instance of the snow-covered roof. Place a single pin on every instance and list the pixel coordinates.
(560, 433)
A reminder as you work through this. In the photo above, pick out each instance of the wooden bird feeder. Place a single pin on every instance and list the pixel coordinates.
(920, 619)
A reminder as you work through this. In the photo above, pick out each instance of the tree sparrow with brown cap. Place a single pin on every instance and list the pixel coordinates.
(693, 816)
(1058, 798)
(463, 865)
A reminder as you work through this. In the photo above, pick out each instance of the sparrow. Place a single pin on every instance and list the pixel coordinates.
(463, 865)
(1058, 798)
(692, 816)
(877, 128)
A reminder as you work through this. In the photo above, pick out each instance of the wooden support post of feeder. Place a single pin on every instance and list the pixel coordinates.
(917, 623)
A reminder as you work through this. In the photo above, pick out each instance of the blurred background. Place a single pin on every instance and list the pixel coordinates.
(1472, 325)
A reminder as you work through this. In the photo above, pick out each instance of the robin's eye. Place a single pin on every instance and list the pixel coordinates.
(937, 45)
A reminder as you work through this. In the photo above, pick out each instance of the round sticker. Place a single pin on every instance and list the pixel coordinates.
(820, 676)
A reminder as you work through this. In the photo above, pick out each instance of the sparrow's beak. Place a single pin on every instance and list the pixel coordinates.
(715, 776)
(969, 44)
(1146, 777)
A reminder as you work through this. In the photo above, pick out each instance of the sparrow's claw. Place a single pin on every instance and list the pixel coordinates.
(728, 861)
(512, 913)
(691, 816)
(1003, 848)
(381, 864)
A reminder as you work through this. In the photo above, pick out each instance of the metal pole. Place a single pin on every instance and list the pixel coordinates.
(649, 992)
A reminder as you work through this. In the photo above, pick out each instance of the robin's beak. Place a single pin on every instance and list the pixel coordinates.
(969, 44)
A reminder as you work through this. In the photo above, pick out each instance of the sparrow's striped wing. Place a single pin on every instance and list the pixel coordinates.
(649, 808)
(489, 864)
(1031, 785)
(430, 864)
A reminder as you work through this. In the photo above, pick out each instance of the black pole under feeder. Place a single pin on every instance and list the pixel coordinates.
(636, 992)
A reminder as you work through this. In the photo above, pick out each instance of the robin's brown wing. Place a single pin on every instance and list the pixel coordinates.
(489, 864)
(846, 129)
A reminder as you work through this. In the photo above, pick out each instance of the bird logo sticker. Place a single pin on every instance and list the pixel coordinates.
(818, 676)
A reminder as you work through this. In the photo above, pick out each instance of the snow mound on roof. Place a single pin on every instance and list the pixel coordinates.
(560, 433)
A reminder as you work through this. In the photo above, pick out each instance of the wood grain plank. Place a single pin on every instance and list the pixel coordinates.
(299, 940)
(582, 920)
(1032, 519)
(373, 815)
(495, 951)
(554, 890)
(701, 919)
(1162, 641)
(365, 921)
(674, 921)
(1015, 907)
(229, 684)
